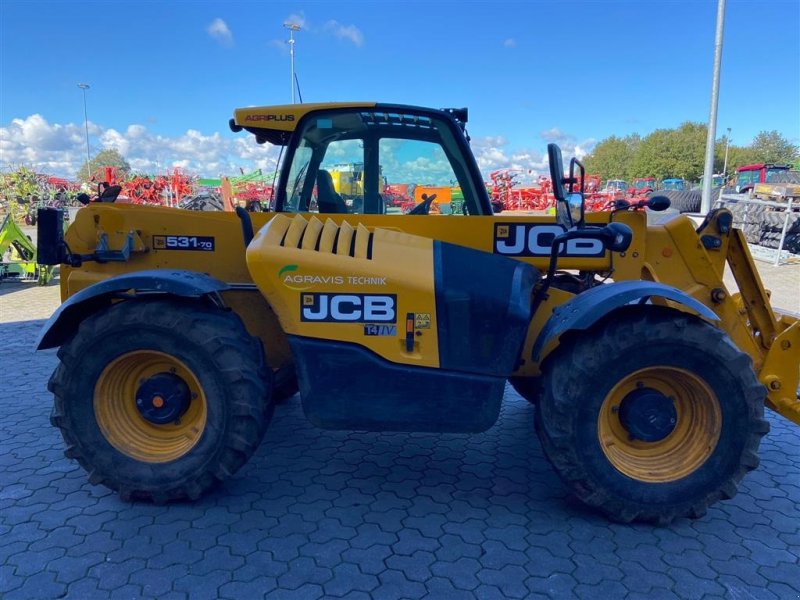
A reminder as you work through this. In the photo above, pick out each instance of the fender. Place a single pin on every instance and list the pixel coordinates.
(587, 308)
(65, 321)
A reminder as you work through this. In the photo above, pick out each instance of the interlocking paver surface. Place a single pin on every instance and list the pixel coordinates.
(320, 514)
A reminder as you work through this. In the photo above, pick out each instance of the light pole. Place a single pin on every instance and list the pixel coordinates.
(292, 27)
(725, 166)
(705, 202)
(84, 87)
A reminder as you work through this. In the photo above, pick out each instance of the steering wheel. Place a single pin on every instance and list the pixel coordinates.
(424, 207)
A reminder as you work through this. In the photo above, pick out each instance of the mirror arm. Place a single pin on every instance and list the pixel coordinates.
(555, 248)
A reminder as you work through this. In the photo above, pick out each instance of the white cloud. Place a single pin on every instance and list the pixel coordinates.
(510, 43)
(298, 19)
(492, 154)
(58, 149)
(345, 32)
(218, 29)
(570, 146)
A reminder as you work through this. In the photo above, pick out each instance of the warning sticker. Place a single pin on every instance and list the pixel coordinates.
(422, 320)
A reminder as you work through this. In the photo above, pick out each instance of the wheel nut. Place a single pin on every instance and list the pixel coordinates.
(718, 295)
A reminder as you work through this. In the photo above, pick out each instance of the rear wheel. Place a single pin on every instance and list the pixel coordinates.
(651, 416)
(161, 399)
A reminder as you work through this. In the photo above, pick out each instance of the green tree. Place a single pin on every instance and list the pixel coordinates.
(772, 147)
(676, 152)
(739, 156)
(611, 158)
(105, 158)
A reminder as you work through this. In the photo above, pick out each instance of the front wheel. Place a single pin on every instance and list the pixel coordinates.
(651, 416)
(161, 399)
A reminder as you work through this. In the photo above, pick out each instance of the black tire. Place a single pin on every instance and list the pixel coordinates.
(226, 365)
(286, 384)
(682, 200)
(585, 372)
(527, 387)
(772, 227)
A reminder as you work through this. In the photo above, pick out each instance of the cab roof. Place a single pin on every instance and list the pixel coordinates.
(759, 166)
(275, 124)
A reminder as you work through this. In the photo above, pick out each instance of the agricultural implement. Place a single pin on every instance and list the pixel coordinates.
(178, 335)
(18, 258)
(642, 186)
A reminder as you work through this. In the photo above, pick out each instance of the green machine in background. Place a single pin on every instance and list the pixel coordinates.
(18, 254)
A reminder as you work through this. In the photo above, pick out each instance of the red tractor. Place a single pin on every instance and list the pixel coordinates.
(642, 186)
(749, 175)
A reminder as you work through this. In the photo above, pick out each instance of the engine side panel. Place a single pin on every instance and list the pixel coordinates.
(390, 330)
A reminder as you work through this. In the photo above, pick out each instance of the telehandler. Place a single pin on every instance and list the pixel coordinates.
(179, 330)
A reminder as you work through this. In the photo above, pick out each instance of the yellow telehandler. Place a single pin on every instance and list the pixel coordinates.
(179, 330)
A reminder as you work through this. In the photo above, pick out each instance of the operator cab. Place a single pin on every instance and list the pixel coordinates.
(370, 159)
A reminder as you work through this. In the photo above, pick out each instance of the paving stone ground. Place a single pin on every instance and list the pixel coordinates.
(320, 514)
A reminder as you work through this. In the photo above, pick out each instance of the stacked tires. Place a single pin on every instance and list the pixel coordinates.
(763, 226)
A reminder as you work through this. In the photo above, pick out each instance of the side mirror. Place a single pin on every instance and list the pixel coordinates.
(569, 200)
(576, 208)
(569, 212)
(556, 171)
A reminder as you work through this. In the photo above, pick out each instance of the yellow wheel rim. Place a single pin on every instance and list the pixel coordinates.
(122, 423)
(684, 449)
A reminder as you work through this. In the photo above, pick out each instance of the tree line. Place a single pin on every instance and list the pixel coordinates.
(680, 152)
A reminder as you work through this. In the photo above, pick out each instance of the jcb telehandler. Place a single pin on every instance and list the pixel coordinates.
(178, 330)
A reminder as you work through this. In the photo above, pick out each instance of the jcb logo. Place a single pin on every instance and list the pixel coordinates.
(348, 308)
(528, 239)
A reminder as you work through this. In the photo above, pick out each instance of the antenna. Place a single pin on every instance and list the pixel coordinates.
(292, 27)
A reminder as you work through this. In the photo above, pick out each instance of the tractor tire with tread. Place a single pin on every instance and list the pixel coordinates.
(581, 429)
(682, 200)
(96, 408)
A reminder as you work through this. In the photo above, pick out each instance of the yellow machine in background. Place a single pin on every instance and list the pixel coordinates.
(179, 330)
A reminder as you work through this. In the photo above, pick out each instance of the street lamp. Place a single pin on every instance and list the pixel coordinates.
(84, 87)
(711, 139)
(725, 166)
(292, 27)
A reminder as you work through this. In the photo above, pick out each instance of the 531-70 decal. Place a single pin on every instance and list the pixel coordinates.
(202, 243)
(535, 239)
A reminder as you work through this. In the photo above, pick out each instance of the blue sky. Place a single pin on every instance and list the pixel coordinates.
(166, 76)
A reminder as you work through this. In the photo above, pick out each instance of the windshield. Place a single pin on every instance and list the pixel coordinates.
(746, 177)
(674, 184)
(375, 162)
(642, 184)
(772, 172)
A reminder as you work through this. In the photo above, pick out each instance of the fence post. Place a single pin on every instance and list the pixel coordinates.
(783, 232)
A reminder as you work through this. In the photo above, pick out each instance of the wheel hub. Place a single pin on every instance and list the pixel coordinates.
(163, 398)
(648, 415)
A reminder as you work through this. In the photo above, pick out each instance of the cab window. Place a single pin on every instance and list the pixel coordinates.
(373, 162)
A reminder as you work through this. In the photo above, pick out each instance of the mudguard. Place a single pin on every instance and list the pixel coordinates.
(589, 307)
(65, 321)
(391, 331)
